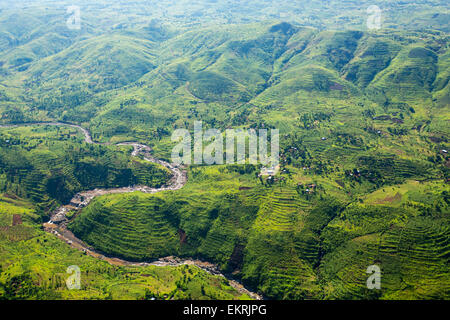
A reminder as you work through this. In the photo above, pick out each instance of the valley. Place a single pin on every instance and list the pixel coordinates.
(87, 118)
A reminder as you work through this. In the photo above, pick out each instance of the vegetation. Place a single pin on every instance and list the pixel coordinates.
(363, 118)
(49, 164)
(33, 266)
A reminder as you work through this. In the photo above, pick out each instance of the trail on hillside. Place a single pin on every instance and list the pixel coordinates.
(57, 224)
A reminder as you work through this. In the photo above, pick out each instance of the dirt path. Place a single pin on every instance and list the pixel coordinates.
(57, 224)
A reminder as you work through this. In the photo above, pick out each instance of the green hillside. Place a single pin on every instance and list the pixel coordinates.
(49, 164)
(40, 261)
(284, 242)
(363, 116)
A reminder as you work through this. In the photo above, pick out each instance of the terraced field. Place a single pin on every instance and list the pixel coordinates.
(282, 210)
(155, 232)
(363, 116)
(127, 227)
(411, 249)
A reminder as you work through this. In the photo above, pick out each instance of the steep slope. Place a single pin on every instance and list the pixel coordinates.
(92, 66)
(410, 76)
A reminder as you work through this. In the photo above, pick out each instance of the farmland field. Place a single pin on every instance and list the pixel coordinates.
(88, 108)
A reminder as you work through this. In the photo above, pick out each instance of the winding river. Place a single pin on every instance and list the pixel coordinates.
(57, 224)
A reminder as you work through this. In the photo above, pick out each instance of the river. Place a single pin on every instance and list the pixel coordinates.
(57, 224)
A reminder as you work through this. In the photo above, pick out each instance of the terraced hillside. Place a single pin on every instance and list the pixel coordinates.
(414, 252)
(363, 116)
(49, 164)
(295, 248)
(126, 227)
(41, 260)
